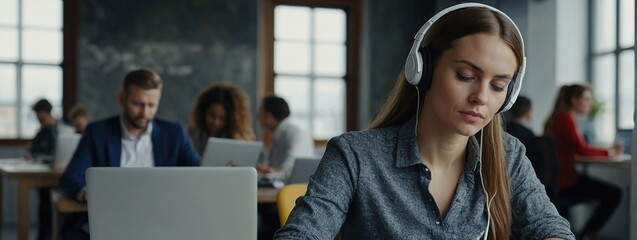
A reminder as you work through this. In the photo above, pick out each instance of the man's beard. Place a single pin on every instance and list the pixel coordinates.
(134, 123)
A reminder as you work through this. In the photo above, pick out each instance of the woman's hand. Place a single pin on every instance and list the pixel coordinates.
(616, 149)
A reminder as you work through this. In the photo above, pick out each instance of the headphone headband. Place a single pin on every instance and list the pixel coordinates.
(414, 64)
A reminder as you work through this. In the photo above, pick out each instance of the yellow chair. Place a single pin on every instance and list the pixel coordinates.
(286, 199)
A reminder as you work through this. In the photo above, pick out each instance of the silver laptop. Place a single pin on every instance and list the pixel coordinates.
(172, 203)
(229, 152)
(65, 146)
(303, 168)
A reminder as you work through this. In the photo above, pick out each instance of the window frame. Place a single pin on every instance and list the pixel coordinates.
(353, 12)
(615, 52)
(70, 40)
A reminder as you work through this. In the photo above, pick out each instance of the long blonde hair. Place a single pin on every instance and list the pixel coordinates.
(401, 103)
(235, 102)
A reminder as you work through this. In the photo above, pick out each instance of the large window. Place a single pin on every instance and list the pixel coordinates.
(612, 64)
(30, 63)
(310, 61)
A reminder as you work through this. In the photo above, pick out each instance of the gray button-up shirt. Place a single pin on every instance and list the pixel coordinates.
(373, 185)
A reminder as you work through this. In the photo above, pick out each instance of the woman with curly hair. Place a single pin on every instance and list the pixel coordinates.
(221, 110)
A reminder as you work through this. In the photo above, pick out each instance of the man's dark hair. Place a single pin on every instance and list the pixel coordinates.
(521, 106)
(144, 78)
(277, 106)
(42, 106)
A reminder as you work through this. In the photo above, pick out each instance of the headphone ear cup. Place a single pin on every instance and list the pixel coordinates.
(427, 69)
(508, 97)
(413, 68)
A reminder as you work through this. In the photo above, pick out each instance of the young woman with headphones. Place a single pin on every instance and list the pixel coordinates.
(435, 163)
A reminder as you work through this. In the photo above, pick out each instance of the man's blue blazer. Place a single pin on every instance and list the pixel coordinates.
(101, 146)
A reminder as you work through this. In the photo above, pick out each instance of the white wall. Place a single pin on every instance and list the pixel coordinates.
(556, 52)
(541, 43)
(572, 41)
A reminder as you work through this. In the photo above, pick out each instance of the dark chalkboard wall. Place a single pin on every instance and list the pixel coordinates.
(190, 43)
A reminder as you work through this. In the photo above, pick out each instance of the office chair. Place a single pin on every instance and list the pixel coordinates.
(286, 199)
(543, 155)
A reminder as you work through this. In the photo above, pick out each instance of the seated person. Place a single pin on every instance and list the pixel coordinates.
(42, 150)
(135, 138)
(79, 117)
(289, 141)
(520, 116)
(435, 163)
(573, 100)
(221, 110)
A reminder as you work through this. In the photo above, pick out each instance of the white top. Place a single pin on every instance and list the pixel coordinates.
(289, 141)
(137, 152)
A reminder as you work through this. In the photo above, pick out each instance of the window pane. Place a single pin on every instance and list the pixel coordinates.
(9, 43)
(291, 58)
(43, 46)
(39, 82)
(329, 60)
(330, 25)
(604, 88)
(626, 89)
(604, 23)
(8, 115)
(329, 111)
(627, 23)
(296, 92)
(8, 12)
(42, 13)
(291, 23)
(8, 83)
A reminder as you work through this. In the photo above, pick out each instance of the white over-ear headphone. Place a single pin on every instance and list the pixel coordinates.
(414, 66)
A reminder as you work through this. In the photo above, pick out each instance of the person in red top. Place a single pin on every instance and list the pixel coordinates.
(576, 100)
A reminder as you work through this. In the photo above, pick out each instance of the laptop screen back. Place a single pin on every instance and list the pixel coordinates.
(65, 146)
(172, 203)
(625, 137)
(304, 167)
(228, 152)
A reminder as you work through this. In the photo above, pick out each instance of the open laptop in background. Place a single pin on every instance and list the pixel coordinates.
(304, 167)
(229, 152)
(172, 203)
(625, 138)
(65, 146)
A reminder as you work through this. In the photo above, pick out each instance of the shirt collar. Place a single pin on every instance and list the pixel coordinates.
(407, 148)
(128, 136)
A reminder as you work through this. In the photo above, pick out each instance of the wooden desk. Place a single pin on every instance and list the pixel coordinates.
(267, 195)
(39, 175)
(622, 161)
(28, 176)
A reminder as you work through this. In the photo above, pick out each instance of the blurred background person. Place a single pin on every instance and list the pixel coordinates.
(289, 141)
(42, 150)
(79, 117)
(571, 101)
(221, 110)
(521, 113)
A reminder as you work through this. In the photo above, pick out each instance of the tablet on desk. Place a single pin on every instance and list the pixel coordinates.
(221, 152)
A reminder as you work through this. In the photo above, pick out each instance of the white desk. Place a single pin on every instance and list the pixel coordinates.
(622, 161)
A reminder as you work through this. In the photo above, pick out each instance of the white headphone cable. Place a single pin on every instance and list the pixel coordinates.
(488, 200)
